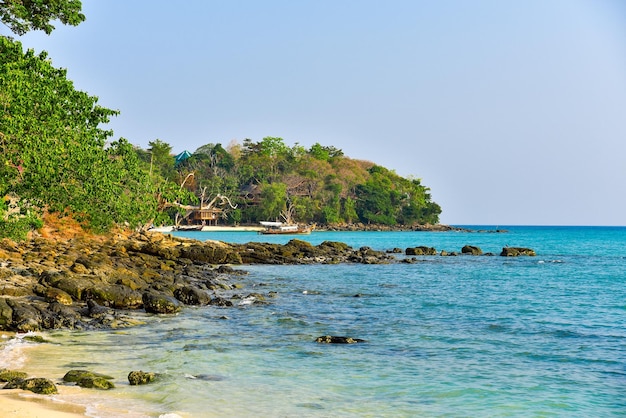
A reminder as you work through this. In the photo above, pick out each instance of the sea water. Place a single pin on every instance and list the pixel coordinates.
(445, 336)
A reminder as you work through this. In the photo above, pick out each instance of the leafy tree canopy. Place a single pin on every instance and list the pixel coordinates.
(53, 151)
(22, 16)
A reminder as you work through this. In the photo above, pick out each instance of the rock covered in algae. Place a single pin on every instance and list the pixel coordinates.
(36, 384)
(88, 379)
(139, 377)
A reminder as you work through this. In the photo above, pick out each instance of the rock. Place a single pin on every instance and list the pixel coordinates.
(421, 250)
(52, 294)
(96, 310)
(95, 382)
(6, 315)
(87, 379)
(213, 254)
(517, 251)
(36, 384)
(330, 339)
(66, 316)
(140, 378)
(25, 317)
(366, 255)
(160, 303)
(36, 339)
(471, 249)
(191, 295)
(116, 296)
(74, 376)
(219, 301)
(11, 375)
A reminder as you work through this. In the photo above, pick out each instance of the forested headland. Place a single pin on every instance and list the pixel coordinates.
(57, 157)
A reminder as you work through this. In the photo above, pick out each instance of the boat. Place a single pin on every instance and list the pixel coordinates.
(276, 228)
(189, 228)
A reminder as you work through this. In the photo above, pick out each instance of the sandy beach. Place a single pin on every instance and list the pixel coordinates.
(23, 404)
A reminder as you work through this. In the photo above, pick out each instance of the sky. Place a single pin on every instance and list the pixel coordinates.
(511, 112)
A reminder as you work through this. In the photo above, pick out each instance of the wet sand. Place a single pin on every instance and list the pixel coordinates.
(24, 404)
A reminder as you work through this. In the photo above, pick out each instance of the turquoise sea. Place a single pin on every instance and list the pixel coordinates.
(462, 336)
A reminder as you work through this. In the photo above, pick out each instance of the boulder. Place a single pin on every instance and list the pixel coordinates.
(210, 253)
(66, 316)
(25, 316)
(95, 382)
(11, 375)
(191, 295)
(73, 376)
(471, 249)
(421, 250)
(36, 384)
(517, 251)
(116, 296)
(160, 303)
(88, 379)
(95, 310)
(52, 294)
(140, 378)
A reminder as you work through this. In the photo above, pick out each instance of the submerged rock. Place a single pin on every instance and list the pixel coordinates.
(73, 376)
(94, 382)
(331, 339)
(90, 380)
(140, 378)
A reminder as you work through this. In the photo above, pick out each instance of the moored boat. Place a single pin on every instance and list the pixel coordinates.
(275, 228)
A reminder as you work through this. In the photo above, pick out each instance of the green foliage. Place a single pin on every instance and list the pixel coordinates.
(53, 152)
(17, 218)
(268, 179)
(22, 16)
(324, 153)
(161, 159)
(273, 199)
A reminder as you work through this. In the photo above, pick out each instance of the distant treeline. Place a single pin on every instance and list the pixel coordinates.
(268, 180)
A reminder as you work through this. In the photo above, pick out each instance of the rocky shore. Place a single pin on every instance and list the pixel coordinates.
(86, 283)
(97, 282)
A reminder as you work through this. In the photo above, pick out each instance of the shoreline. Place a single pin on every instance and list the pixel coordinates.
(91, 283)
(24, 404)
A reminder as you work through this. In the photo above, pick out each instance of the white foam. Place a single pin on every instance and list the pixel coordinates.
(12, 351)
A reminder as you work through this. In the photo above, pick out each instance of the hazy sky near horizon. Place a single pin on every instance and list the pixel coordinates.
(512, 112)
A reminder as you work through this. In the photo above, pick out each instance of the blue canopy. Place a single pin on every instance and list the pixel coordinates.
(182, 157)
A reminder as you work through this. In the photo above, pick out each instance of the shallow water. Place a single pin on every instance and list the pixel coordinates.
(446, 336)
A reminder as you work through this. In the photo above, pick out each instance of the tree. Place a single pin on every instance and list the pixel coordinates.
(53, 151)
(274, 198)
(161, 159)
(22, 16)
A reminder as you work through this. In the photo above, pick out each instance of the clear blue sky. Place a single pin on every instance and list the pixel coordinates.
(512, 112)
